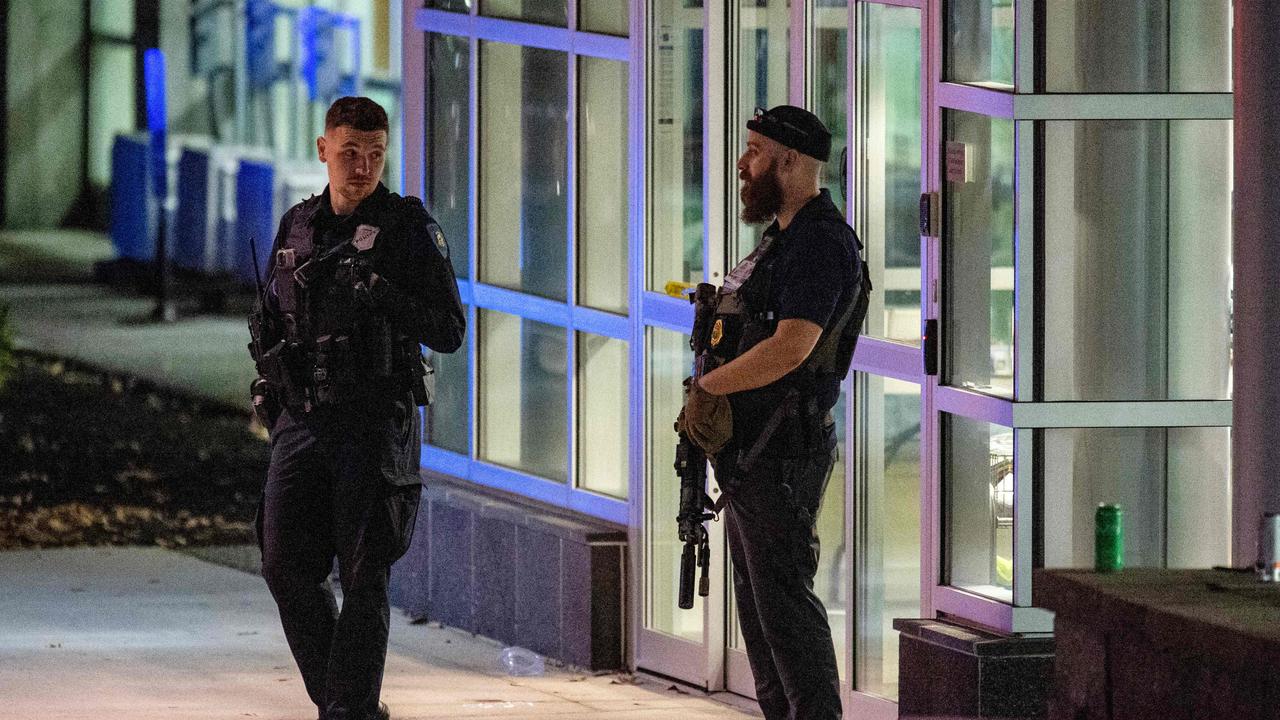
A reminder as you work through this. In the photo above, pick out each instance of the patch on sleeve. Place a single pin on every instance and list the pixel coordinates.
(437, 236)
(364, 237)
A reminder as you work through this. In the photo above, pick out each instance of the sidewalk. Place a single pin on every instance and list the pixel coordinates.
(149, 634)
(56, 308)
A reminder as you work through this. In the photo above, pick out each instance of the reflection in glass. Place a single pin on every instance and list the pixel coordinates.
(978, 252)
(602, 414)
(1174, 485)
(888, 187)
(830, 84)
(888, 526)
(546, 12)
(1137, 46)
(977, 477)
(522, 401)
(448, 417)
(1138, 230)
(831, 583)
(611, 17)
(454, 5)
(448, 147)
(979, 41)
(675, 144)
(112, 17)
(603, 210)
(523, 168)
(763, 64)
(668, 363)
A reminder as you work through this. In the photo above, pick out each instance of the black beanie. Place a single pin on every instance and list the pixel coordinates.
(794, 127)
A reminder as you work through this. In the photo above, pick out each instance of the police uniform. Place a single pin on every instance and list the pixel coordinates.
(346, 371)
(774, 469)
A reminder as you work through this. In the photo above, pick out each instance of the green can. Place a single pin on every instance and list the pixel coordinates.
(1108, 538)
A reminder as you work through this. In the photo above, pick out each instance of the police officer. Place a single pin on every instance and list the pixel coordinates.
(787, 321)
(359, 277)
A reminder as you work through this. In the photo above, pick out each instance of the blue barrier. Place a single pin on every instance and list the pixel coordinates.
(132, 227)
(191, 219)
(255, 216)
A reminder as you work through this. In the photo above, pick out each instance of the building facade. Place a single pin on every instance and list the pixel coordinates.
(1044, 191)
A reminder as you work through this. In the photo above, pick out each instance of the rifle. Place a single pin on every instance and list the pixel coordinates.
(691, 461)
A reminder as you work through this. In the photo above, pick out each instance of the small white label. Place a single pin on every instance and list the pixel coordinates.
(365, 235)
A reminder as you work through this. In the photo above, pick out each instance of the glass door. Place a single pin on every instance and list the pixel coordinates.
(889, 427)
(681, 212)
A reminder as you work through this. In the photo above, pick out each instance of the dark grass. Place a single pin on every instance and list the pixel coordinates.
(91, 457)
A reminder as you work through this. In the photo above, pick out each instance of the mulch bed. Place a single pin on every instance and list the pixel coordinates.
(91, 457)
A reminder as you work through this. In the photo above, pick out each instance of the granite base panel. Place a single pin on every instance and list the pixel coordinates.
(518, 572)
(946, 670)
(1150, 644)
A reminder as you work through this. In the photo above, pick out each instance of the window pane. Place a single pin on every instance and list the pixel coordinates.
(978, 489)
(522, 399)
(449, 143)
(979, 42)
(603, 404)
(455, 5)
(112, 17)
(763, 64)
(111, 104)
(605, 16)
(888, 526)
(831, 582)
(889, 186)
(675, 142)
(978, 252)
(523, 168)
(1138, 260)
(603, 209)
(449, 416)
(831, 84)
(1138, 46)
(668, 363)
(1174, 485)
(547, 12)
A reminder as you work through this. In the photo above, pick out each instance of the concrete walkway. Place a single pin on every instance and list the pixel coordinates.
(149, 634)
(56, 308)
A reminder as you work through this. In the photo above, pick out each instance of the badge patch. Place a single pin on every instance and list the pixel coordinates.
(364, 237)
(717, 332)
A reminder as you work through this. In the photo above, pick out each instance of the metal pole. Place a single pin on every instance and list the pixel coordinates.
(1255, 437)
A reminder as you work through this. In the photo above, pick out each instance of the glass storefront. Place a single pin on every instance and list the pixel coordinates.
(1080, 265)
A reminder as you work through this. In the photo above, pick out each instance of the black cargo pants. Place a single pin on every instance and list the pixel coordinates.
(770, 523)
(343, 482)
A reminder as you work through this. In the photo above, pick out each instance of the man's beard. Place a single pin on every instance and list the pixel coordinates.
(761, 197)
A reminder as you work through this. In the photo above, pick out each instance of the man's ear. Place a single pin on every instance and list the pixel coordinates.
(320, 148)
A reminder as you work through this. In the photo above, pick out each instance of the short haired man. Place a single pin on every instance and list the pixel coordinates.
(787, 320)
(359, 277)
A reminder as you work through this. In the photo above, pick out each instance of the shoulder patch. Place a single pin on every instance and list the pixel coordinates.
(437, 237)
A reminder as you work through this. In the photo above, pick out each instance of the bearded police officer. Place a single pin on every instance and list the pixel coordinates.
(786, 324)
(359, 277)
